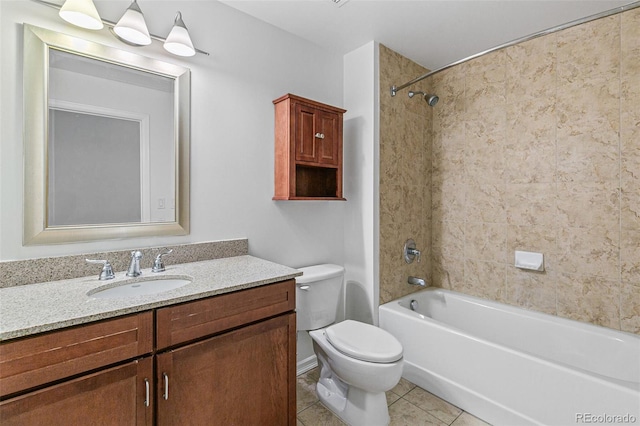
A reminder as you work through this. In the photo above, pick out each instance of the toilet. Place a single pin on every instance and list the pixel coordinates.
(358, 362)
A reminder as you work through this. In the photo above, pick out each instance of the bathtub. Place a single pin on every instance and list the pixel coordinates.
(510, 366)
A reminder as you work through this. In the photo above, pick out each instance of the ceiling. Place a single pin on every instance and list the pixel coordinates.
(433, 33)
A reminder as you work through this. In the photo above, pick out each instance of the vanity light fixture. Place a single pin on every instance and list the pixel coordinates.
(82, 13)
(131, 27)
(178, 41)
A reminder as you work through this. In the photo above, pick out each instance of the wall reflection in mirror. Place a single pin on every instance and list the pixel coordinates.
(111, 150)
(106, 142)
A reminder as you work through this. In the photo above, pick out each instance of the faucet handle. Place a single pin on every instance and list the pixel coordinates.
(416, 253)
(107, 270)
(158, 264)
(410, 252)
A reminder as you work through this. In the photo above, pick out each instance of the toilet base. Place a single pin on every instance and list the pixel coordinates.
(353, 405)
(359, 409)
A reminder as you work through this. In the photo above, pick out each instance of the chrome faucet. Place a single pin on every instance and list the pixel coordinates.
(417, 281)
(134, 266)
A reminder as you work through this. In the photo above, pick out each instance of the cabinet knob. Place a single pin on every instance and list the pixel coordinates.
(319, 135)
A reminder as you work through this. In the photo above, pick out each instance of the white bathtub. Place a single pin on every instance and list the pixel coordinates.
(510, 366)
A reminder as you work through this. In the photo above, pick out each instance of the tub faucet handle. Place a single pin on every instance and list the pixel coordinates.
(410, 251)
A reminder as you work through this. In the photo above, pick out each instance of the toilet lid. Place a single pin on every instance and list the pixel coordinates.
(364, 342)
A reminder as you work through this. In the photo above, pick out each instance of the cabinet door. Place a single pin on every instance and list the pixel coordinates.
(116, 396)
(49, 357)
(305, 140)
(329, 126)
(244, 377)
(317, 135)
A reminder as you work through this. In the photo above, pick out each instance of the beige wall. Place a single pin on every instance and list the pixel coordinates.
(537, 147)
(405, 163)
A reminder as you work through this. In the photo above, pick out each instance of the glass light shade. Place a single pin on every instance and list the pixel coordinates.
(132, 26)
(82, 13)
(178, 41)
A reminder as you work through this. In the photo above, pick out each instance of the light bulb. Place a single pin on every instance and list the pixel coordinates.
(132, 27)
(178, 41)
(82, 13)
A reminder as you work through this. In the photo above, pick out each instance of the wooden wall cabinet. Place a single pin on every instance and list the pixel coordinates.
(308, 149)
(227, 359)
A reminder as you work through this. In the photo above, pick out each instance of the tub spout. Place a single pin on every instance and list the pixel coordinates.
(417, 281)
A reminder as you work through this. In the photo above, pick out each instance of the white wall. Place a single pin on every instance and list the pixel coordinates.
(251, 64)
(361, 164)
(361, 188)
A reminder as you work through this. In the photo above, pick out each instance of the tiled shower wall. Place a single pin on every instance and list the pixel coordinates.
(405, 164)
(537, 147)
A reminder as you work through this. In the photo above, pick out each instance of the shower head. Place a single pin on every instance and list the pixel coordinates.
(432, 100)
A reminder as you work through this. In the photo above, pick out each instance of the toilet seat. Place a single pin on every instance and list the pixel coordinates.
(364, 342)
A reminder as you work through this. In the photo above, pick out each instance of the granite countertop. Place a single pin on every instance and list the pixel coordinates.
(35, 308)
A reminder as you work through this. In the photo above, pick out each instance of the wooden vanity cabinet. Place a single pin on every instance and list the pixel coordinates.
(118, 395)
(308, 149)
(237, 378)
(68, 376)
(224, 360)
(244, 374)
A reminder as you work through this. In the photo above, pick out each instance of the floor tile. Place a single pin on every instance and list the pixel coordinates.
(433, 405)
(404, 413)
(305, 392)
(403, 387)
(319, 415)
(392, 397)
(466, 419)
(409, 405)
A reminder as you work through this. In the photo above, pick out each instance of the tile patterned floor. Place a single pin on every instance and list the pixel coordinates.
(409, 405)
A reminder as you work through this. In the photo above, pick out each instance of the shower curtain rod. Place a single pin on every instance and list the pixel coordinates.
(619, 9)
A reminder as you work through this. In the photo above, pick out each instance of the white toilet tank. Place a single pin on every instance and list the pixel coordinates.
(318, 295)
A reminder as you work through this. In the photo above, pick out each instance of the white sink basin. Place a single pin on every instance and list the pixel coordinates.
(140, 288)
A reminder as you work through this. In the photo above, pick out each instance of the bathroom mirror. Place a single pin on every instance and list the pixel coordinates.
(106, 142)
